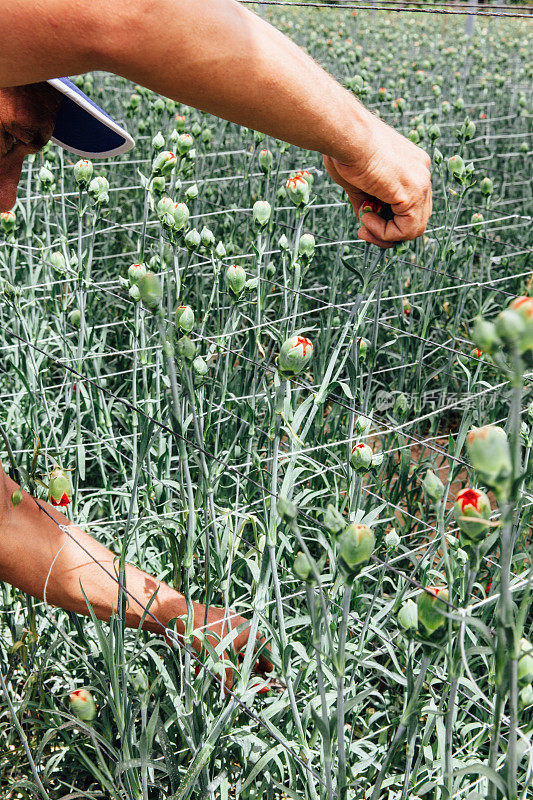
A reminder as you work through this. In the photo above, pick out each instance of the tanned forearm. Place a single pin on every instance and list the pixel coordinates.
(215, 55)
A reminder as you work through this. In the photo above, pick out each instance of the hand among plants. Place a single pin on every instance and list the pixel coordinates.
(394, 171)
(27, 118)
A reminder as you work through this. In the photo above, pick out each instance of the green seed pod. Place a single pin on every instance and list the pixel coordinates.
(356, 544)
(484, 335)
(302, 567)
(261, 213)
(296, 352)
(150, 290)
(82, 705)
(235, 279)
(430, 610)
(525, 662)
(83, 172)
(185, 349)
(185, 318)
(471, 511)
(433, 486)
(361, 458)
(16, 497)
(408, 616)
(490, 455)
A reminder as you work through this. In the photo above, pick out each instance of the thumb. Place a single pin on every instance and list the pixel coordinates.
(10, 171)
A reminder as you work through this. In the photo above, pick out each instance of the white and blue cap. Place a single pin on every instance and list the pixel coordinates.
(84, 128)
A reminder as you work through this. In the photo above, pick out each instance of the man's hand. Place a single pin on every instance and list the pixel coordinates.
(395, 171)
(27, 118)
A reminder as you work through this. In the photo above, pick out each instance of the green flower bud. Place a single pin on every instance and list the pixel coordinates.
(134, 293)
(184, 143)
(46, 179)
(392, 540)
(158, 142)
(164, 163)
(510, 326)
(57, 260)
(486, 187)
(220, 250)
(192, 239)
(98, 187)
(438, 158)
(471, 512)
(207, 238)
(180, 213)
(430, 610)
(185, 318)
(433, 132)
(296, 352)
(525, 662)
(333, 520)
(150, 290)
(16, 498)
(286, 509)
(477, 221)
(401, 406)
(361, 458)
(8, 221)
(362, 425)
(75, 317)
(59, 487)
(261, 213)
(306, 247)
(185, 349)
(283, 242)
(299, 190)
(200, 368)
(192, 192)
(408, 616)
(266, 159)
(235, 279)
(356, 544)
(302, 567)
(433, 486)
(82, 705)
(364, 345)
(490, 455)
(83, 172)
(484, 335)
(456, 166)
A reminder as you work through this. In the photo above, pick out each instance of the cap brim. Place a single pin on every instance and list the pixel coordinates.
(84, 128)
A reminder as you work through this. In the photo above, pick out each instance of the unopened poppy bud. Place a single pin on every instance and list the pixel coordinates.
(299, 190)
(490, 455)
(433, 486)
(261, 213)
(431, 604)
(184, 143)
(235, 279)
(392, 540)
(356, 544)
(180, 213)
(151, 290)
(486, 187)
(192, 192)
(408, 616)
(75, 317)
(192, 239)
(207, 238)
(266, 160)
(16, 497)
(485, 336)
(456, 166)
(525, 662)
(164, 163)
(185, 349)
(59, 487)
(185, 318)
(82, 705)
(8, 221)
(302, 567)
(158, 142)
(83, 172)
(46, 179)
(361, 458)
(136, 272)
(296, 352)
(306, 247)
(472, 512)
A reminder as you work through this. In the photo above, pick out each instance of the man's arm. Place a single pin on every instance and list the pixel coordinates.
(220, 57)
(29, 542)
